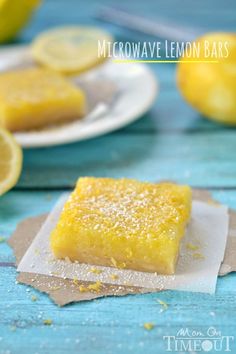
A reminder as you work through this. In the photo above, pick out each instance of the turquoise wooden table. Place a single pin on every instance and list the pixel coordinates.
(171, 141)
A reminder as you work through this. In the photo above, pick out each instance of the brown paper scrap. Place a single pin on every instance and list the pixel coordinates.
(64, 291)
(61, 291)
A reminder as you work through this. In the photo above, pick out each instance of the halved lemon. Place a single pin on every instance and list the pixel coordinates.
(10, 161)
(71, 50)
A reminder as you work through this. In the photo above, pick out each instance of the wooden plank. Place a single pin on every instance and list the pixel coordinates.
(201, 159)
(210, 15)
(101, 326)
(170, 142)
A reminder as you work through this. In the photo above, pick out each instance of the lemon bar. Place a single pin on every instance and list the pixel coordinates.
(123, 223)
(35, 97)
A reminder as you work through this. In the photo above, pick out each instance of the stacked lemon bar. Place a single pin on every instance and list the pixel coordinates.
(123, 223)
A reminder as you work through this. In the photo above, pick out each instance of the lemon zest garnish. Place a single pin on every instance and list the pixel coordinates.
(92, 287)
(95, 286)
(192, 247)
(198, 256)
(163, 304)
(95, 270)
(148, 325)
(75, 281)
(114, 276)
(83, 289)
(47, 322)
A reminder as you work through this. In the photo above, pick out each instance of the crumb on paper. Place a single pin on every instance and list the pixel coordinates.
(13, 328)
(75, 281)
(2, 239)
(36, 252)
(192, 247)
(83, 289)
(34, 298)
(47, 322)
(95, 271)
(198, 256)
(148, 326)
(95, 286)
(54, 288)
(114, 276)
(163, 304)
(67, 259)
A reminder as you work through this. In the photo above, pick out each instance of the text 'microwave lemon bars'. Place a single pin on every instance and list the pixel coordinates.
(123, 223)
(35, 97)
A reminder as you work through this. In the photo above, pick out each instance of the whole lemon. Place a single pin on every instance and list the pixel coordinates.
(210, 87)
(14, 14)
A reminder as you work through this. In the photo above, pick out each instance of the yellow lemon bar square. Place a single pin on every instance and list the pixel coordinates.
(123, 223)
(35, 97)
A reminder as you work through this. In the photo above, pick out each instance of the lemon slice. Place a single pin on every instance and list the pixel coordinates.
(10, 161)
(71, 50)
(14, 14)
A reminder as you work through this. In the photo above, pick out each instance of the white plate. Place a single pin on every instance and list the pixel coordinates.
(135, 92)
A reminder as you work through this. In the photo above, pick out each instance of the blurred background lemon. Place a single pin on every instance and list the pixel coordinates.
(14, 15)
(211, 87)
(70, 49)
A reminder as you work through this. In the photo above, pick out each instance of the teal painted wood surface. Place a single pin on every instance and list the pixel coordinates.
(200, 159)
(170, 141)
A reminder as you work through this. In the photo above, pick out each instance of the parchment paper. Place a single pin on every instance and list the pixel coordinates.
(64, 291)
(200, 258)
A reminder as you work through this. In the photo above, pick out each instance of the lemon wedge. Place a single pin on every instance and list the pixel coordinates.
(14, 14)
(10, 161)
(71, 50)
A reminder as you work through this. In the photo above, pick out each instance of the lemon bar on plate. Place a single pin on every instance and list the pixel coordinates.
(123, 223)
(35, 97)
